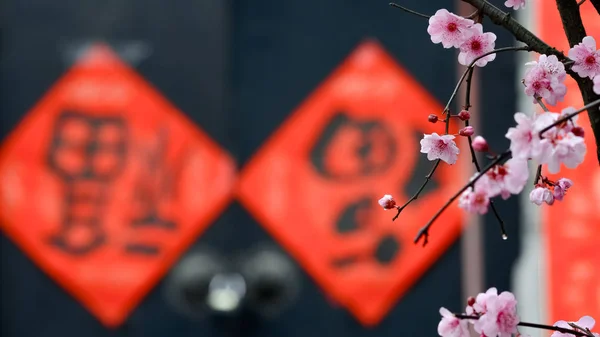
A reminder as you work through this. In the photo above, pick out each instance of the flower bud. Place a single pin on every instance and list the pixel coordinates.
(578, 131)
(470, 301)
(467, 131)
(464, 115)
(480, 144)
(432, 118)
(387, 202)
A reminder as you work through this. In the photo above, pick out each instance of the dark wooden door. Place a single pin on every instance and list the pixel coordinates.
(237, 69)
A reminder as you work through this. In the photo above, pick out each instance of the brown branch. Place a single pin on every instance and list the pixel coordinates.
(521, 33)
(575, 31)
(596, 4)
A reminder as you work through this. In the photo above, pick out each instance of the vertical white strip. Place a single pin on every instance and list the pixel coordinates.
(529, 273)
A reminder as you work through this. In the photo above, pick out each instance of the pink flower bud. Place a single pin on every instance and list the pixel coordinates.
(480, 144)
(432, 118)
(561, 187)
(467, 131)
(578, 131)
(387, 202)
(464, 115)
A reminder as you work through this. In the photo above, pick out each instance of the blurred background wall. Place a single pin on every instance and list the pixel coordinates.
(237, 70)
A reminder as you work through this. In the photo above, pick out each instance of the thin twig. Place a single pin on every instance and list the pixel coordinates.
(534, 325)
(584, 330)
(424, 231)
(427, 177)
(409, 10)
(472, 64)
(416, 195)
(580, 2)
(474, 156)
(571, 115)
(538, 175)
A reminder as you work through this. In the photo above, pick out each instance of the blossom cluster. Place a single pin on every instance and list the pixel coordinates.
(547, 191)
(561, 144)
(501, 180)
(495, 315)
(452, 30)
(490, 313)
(550, 138)
(545, 79)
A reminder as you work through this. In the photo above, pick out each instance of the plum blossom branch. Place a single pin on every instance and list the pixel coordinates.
(424, 231)
(521, 33)
(408, 10)
(575, 31)
(571, 115)
(446, 110)
(537, 326)
(467, 106)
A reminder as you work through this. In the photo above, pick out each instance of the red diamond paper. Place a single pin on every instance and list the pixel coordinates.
(105, 183)
(314, 185)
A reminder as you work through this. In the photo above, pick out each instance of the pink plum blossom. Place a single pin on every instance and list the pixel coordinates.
(500, 318)
(540, 194)
(570, 151)
(515, 4)
(561, 187)
(480, 305)
(450, 326)
(474, 200)
(558, 145)
(524, 141)
(509, 178)
(440, 147)
(586, 57)
(597, 84)
(552, 66)
(584, 322)
(545, 79)
(449, 29)
(476, 45)
(387, 202)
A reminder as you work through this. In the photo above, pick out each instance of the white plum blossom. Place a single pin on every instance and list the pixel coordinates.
(440, 147)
